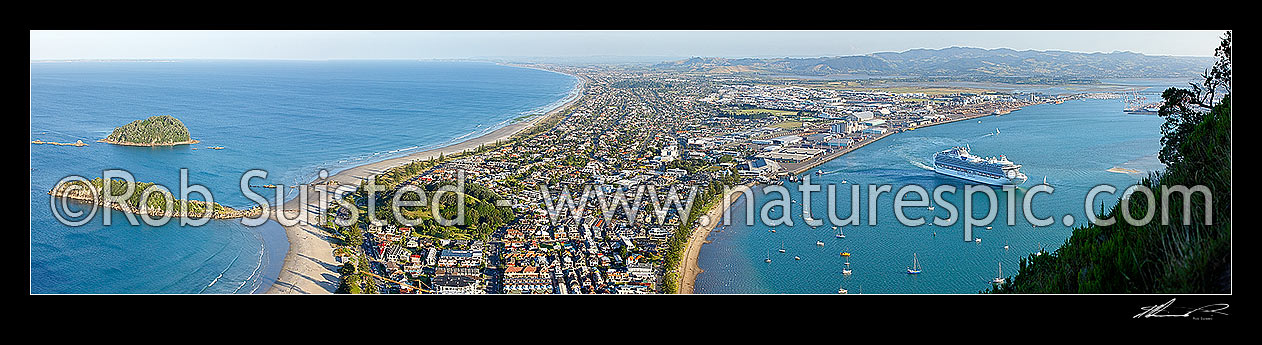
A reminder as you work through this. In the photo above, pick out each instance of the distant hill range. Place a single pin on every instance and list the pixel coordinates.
(963, 63)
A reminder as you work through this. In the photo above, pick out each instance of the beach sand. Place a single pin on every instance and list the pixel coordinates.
(689, 269)
(1122, 170)
(309, 266)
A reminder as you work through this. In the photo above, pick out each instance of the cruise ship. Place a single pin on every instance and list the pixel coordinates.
(957, 162)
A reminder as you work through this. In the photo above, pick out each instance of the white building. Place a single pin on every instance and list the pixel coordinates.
(787, 140)
(669, 154)
(875, 130)
(861, 116)
(874, 122)
(847, 127)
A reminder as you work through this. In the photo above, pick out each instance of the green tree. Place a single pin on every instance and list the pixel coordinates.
(1175, 256)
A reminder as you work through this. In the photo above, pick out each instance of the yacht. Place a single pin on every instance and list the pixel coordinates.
(999, 279)
(915, 265)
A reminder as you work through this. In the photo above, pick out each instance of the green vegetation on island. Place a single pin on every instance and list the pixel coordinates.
(155, 204)
(1158, 257)
(162, 130)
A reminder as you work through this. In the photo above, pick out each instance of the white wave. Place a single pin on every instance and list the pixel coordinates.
(258, 267)
(225, 270)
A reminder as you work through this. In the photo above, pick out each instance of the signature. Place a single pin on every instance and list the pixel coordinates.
(1164, 310)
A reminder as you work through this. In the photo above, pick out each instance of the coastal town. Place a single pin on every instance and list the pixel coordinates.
(680, 138)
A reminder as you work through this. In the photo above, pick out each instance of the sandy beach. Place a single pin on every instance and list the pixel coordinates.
(688, 268)
(309, 266)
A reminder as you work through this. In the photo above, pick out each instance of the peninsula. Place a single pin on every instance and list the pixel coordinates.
(162, 130)
(155, 205)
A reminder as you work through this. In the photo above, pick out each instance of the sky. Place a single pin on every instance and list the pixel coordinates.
(321, 45)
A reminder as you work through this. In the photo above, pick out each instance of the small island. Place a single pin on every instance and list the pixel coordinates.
(162, 130)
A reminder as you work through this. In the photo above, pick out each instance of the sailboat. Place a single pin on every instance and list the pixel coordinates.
(840, 234)
(842, 290)
(782, 247)
(768, 260)
(819, 243)
(915, 265)
(999, 279)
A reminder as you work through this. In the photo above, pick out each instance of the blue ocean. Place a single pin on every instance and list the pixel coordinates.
(289, 118)
(1071, 145)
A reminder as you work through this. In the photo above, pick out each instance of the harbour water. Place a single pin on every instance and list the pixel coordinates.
(290, 118)
(1072, 145)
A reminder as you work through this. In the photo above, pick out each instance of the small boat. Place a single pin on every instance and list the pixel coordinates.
(844, 182)
(915, 265)
(931, 207)
(772, 230)
(1005, 245)
(819, 243)
(846, 271)
(768, 260)
(782, 247)
(819, 172)
(842, 291)
(846, 254)
(999, 279)
(978, 240)
(797, 258)
(988, 228)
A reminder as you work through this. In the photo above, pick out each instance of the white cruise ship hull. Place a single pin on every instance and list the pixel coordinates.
(980, 178)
